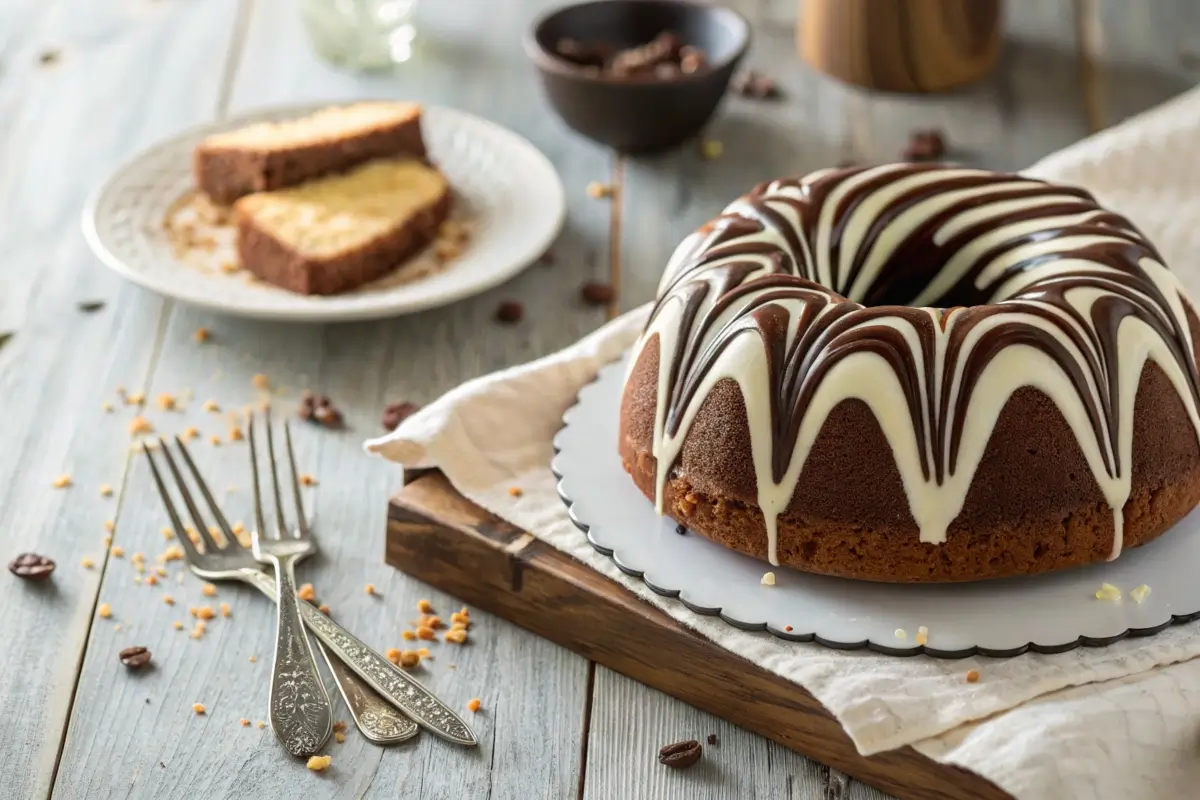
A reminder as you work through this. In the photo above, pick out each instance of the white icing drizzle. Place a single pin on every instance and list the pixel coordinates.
(1043, 255)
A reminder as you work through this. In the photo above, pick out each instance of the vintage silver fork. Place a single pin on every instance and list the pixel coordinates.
(375, 718)
(393, 684)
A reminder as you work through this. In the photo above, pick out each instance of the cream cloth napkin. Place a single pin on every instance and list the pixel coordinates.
(1113, 722)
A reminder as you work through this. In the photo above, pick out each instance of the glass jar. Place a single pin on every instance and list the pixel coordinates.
(363, 35)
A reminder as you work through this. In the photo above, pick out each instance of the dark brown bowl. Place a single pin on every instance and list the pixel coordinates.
(643, 113)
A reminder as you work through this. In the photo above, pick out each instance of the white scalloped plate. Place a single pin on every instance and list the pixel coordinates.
(1005, 617)
(507, 191)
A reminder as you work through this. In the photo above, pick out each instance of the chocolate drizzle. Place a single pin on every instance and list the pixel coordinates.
(931, 293)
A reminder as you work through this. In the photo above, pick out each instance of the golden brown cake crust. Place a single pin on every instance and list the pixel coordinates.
(1032, 507)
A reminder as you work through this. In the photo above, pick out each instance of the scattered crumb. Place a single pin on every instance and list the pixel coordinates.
(339, 737)
(306, 592)
(972, 676)
(48, 57)
(260, 381)
(318, 763)
(86, 563)
(787, 628)
(110, 526)
(116, 627)
(424, 652)
(214, 440)
(168, 599)
(515, 491)
(106, 490)
(409, 658)
(208, 590)
(1108, 592)
(459, 618)
(456, 635)
(136, 399)
(165, 401)
(137, 579)
(408, 635)
(261, 724)
(1140, 593)
(211, 406)
(235, 433)
(768, 579)
(339, 726)
(433, 622)
(245, 723)
(226, 611)
(198, 708)
(598, 190)
(152, 580)
(140, 425)
(107, 408)
(104, 611)
(510, 312)
(425, 607)
(205, 612)
(474, 704)
(229, 267)
(118, 551)
(62, 481)
(161, 572)
(922, 636)
(198, 630)
(369, 588)
(324, 609)
(393, 655)
(711, 149)
(166, 533)
(901, 633)
(202, 335)
(426, 633)
(307, 480)
(177, 625)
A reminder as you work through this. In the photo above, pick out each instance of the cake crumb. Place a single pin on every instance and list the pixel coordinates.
(136, 399)
(393, 655)
(199, 708)
(474, 705)
(425, 607)
(152, 580)
(409, 658)
(597, 190)
(110, 526)
(426, 633)
(787, 628)
(307, 480)
(369, 588)
(245, 723)
(768, 579)
(168, 599)
(459, 618)
(339, 737)
(324, 609)
(1140, 593)
(208, 590)
(118, 551)
(86, 563)
(177, 625)
(202, 335)
(260, 381)
(339, 726)
(423, 652)
(166, 401)
(306, 592)
(214, 440)
(62, 481)
(515, 491)
(106, 490)
(972, 676)
(205, 612)
(226, 611)
(140, 425)
(261, 724)
(104, 611)
(1108, 592)
(922, 636)
(456, 636)
(318, 763)
(211, 406)
(711, 149)
(107, 408)
(408, 635)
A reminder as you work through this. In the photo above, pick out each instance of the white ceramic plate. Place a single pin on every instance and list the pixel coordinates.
(505, 189)
(1004, 617)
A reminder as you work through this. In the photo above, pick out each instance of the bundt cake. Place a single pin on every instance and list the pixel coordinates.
(917, 373)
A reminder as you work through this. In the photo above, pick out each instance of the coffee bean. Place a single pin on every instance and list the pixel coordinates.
(510, 312)
(134, 657)
(396, 413)
(712, 738)
(31, 567)
(681, 754)
(598, 294)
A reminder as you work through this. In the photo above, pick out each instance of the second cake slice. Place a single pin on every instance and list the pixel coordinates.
(336, 233)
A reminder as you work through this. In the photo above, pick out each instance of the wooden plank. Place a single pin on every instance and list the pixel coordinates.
(533, 692)
(60, 362)
(1137, 55)
(436, 535)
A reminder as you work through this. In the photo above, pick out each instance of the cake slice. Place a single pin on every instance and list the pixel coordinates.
(335, 233)
(273, 155)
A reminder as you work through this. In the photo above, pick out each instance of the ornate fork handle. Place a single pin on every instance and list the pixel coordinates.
(300, 712)
(397, 687)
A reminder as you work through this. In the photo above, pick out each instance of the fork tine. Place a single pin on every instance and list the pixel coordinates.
(209, 545)
(280, 520)
(176, 523)
(222, 523)
(301, 524)
(258, 512)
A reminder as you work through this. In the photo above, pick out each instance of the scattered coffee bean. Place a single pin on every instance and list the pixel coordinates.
(89, 306)
(319, 410)
(928, 145)
(31, 567)
(510, 312)
(584, 54)
(135, 658)
(681, 754)
(396, 413)
(598, 294)
(681, 529)
(756, 86)
(712, 738)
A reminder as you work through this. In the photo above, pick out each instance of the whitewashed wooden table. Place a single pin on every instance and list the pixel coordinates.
(84, 84)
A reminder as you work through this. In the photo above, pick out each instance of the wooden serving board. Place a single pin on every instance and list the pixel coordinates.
(440, 537)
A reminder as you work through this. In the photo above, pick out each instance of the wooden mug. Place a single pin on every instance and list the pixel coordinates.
(901, 45)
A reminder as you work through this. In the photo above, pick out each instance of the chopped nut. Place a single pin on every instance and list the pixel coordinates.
(202, 335)
(245, 723)
(474, 704)
(118, 551)
(208, 590)
(369, 588)
(172, 553)
(339, 737)
(307, 480)
(318, 763)
(515, 491)
(166, 402)
(260, 381)
(198, 630)
(426, 633)
(104, 611)
(86, 563)
(408, 635)
(160, 572)
(455, 635)
(1108, 592)
(106, 490)
(409, 658)
(768, 579)
(922, 636)
(140, 425)
(1140, 593)
(211, 406)
(226, 611)
(166, 533)
(598, 190)
(198, 708)
(972, 676)
(306, 592)
(711, 149)
(62, 481)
